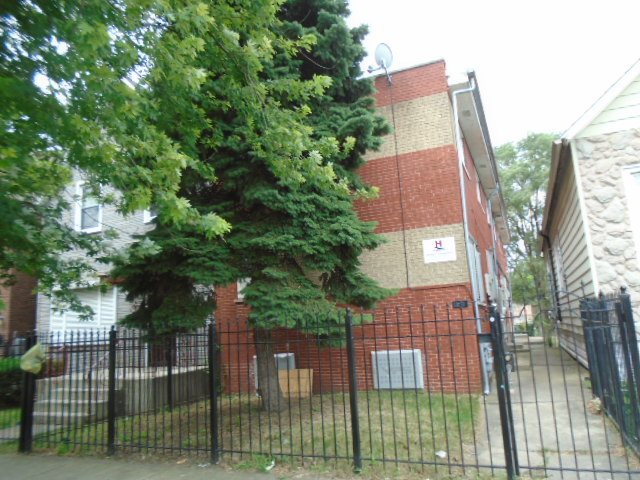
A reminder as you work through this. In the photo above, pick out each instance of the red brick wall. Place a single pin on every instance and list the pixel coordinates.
(20, 301)
(420, 318)
(428, 182)
(430, 190)
(412, 83)
(5, 295)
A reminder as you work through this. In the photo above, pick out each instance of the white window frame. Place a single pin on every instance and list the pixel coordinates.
(477, 274)
(148, 215)
(632, 187)
(491, 276)
(478, 191)
(241, 284)
(79, 208)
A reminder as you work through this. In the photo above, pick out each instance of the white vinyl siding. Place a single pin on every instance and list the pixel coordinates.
(149, 214)
(103, 304)
(623, 113)
(571, 263)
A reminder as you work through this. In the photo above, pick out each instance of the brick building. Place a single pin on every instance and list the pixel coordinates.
(19, 313)
(441, 211)
(445, 237)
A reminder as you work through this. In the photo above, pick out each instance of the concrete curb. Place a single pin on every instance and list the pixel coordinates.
(41, 467)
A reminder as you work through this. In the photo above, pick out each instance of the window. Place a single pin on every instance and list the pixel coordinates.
(88, 215)
(479, 190)
(149, 214)
(632, 184)
(241, 285)
(476, 273)
(491, 277)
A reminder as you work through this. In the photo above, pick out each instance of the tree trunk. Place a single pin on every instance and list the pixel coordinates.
(161, 352)
(268, 384)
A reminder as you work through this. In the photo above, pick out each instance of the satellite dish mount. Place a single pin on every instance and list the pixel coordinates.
(384, 58)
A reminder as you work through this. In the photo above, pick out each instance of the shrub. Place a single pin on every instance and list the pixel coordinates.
(10, 382)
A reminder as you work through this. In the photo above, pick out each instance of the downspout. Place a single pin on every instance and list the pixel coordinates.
(554, 273)
(496, 267)
(463, 195)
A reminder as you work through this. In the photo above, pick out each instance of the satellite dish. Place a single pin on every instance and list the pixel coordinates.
(383, 56)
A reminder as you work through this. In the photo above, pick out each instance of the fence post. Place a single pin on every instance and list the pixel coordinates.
(168, 349)
(25, 442)
(504, 395)
(353, 393)
(212, 350)
(625, 300)
(111, 395)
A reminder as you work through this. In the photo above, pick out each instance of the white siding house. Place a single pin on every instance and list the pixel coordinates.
(591, 223)
(108, 303)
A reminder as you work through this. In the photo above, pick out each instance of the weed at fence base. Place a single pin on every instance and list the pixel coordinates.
(400, 430)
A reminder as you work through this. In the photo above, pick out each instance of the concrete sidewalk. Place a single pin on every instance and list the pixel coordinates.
(553, 424)
(40, 467)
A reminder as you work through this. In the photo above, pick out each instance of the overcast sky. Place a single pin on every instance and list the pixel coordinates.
(539, 64)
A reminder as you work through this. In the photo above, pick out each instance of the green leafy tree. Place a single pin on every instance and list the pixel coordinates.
(299, 243)
(524, 173)
(122, 92)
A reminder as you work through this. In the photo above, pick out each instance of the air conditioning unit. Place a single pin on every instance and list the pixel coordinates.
(397, 369)
(284, 361)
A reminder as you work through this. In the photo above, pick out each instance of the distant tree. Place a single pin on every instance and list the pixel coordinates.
(298, 243)
(524, 174)
(116, 90)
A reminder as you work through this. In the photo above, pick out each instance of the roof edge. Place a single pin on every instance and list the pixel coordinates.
(404, 69)
(603, 101)
(557, 149)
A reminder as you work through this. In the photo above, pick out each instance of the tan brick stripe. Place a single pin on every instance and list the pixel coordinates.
(421, 124)
(386, 264)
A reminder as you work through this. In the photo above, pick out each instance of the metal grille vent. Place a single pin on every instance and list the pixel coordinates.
(397, 369)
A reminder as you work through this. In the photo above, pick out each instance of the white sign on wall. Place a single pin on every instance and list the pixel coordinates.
(439, 250)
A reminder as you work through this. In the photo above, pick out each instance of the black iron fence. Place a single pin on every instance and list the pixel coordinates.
(15, 345)
(429, 390)
(614, 363)
(10, 397)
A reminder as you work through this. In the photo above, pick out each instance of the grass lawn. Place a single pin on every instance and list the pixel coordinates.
(400, 431)
(9, 417)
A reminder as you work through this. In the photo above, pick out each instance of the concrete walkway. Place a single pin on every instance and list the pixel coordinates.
(42, 467)
(12, 434)
(557, 424)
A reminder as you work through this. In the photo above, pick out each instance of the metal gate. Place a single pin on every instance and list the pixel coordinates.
(558, 418)
(15, 386)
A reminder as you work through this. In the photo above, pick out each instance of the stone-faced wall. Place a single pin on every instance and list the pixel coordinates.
(601, 160)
